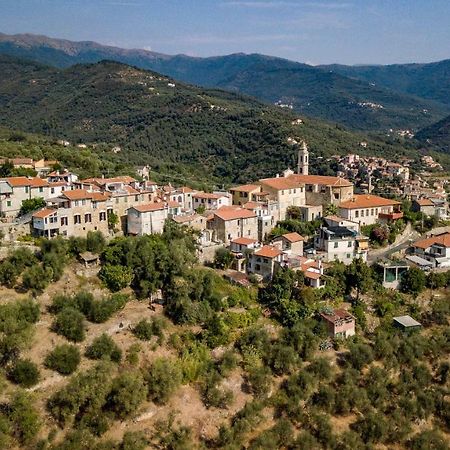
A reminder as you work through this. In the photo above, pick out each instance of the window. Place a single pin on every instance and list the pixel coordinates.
(372, 212)
(77, 219)
(266, 261)
(64, 221)
(136, 198)
(258, 267)
(336, 244)
(76, 202)
(336, 195)
(350, 244)
(8, 203)
(27, 189)
(41, 189)
(349, 256)
(362, 213)
(356, 214)
(83, 202)
(87, 218)
(52, 190)
(102, 216)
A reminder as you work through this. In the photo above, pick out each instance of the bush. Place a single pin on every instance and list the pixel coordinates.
(95, 242)
(24, 372)
(223, 258)
(413, 281)
(116, 277)
(70, 323)
(36, 278)
(103, 347)
(100, 311)
(163, 378)
(31, 204)
(146, 329)
(127, 393)
(64, 359)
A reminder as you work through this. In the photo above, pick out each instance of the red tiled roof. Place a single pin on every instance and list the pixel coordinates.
(149, 207)
(268, 251)
(77, 194)
(443, 239)
(312, 275)
(338, 314)
(293, 237)
(320, 179)
(367, 201)
(234, 214)
(245, 188)
(45, 212)
(425, 202)
(26, 181)
(208, 195)
(244, 241)
(281, 183)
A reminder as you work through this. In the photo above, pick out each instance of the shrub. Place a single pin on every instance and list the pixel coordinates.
(223, 258)
(163, 378)
(146, 329)
(127, 393)
(63, 359)
(8, 274)
(24, 372)
(103, 347)
(70, 323)
(95, 242)
(116, 277)
(100, 311)
(36, 278)
(31, 204)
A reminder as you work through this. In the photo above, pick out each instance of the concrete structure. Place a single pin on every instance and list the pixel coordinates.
(340, 323)
(303, 159)
(393, 272)
(74, 213)
(291, 243)
(336, 221)
(435, 249)
(241, 247)
(370, 209)
(341, 244)
(150, 218)
(14, 190)
(430, 206)
(406, 323)
(245, 193)
(210, 201)
(230, 223)
(264, 262)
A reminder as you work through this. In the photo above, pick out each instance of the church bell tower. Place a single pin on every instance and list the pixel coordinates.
(303, 159)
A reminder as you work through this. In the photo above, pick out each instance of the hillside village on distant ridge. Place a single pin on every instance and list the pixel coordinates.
(249, 220)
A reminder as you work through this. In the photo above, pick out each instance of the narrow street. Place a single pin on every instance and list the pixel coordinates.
(402, 242)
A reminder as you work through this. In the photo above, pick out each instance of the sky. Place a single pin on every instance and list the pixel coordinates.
(311, 31)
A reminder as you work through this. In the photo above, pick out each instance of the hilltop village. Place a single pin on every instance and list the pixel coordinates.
(254, 223)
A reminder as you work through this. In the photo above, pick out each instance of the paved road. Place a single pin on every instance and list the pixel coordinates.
(403, 241)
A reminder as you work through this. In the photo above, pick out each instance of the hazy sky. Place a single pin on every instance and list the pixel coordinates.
(313, 31)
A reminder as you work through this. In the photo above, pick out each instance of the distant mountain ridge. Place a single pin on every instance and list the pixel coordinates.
(176, 128)
(437, 135)
(313, 91)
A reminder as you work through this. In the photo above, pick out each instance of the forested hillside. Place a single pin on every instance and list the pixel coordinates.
(310, 90)
(89, 363)
(437, 134)
(174, 127)
(430, 81)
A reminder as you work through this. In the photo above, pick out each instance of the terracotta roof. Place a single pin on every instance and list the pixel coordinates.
(102, 181)
(337, 314)
(268, 251)
(312, 275)
(244, 241)
(367, 201)
(185, 190)
(58, 183)
(234, 214)
(78, 194)
(245, 188)
(208, 195)
(149, 207)
(281, 183)
(443, 239)
(26, 181)
(254, 205)
(293, 237)
(45, 212)
(320, 179)
(172, 204)
(98, 197)
(425, 202)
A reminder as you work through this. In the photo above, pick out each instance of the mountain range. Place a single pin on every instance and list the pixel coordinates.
(206, 134)
(373, 98)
